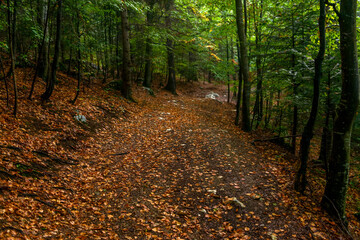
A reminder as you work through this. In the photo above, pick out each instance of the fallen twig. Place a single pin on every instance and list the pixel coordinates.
(273, 139)
(119, 154)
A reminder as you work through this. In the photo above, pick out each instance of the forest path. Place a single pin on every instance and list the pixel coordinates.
(166, 167)
(185, 164)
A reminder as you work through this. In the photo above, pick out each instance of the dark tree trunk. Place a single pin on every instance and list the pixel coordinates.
(192, 71)
(5, 80)
(232, 52)
(78, 57)
(117, 49)
(42, 51)
(148, 48)
(105, 51)
(171, 84)
(51, 82)
(12, 43)
(228, 74)
(295, 89)
(126, 71)
(244, 67)
(326, 137)
(258, 107)
(334, 199)
(238, 100)
(268, 110)
(300, 180)
(41, 65)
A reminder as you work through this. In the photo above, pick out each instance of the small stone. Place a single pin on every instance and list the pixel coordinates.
(237, 202)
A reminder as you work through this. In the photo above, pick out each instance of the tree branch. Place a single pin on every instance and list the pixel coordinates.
(333, 5)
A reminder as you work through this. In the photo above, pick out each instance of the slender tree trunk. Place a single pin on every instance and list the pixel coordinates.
(148, 48)
(268, 110)
(326, 137)
(232, 56)
(228, 74)
(258, 107)
(245, 17)
(51, 83)
(244, 67)
(106, 62)
(48, 46)
(117, 50)
(171, 84)
(126, 71)
(238, 100)
(334, 199)
(40, 6)
(295, 89)
(78, 58)
(41, 63)
(5, 80)
(300, 180)
(12, 29)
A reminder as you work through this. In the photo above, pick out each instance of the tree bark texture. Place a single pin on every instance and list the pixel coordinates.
(171, 84)
(300, 180)
(51, 82)
(42, 63)
(148, 47)
(126, 71)
(334, 199)
(244, 67)
(238, 100)
(78, 58)
(12, 44)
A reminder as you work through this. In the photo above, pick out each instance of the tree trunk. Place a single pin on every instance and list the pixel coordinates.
(244, 67)
(228, 74)
(78, 58)
(295, 89)
(11, 29)
(300, 180)
(41, 65)
(51, 83)
(126, 71)
(5, 80)
(268, 109)
(258, 107)
(42, 61)
(326, 137)
(238, 100)
(334, 199)
(106, 62)
(171, 84)
(117, 49)
(148, 48)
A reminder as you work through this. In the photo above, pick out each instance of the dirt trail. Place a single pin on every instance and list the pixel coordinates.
(172, 169)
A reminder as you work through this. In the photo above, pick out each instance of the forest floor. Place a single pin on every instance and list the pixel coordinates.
(165, 167)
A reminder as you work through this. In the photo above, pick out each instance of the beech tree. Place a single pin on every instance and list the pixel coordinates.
(244, 66)
(52, 78)
(334, 199)
(126, 71)
(11, 40)
(171, 81)
(300, 181)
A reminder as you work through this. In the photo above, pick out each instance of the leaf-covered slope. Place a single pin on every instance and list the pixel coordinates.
(163, 168)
